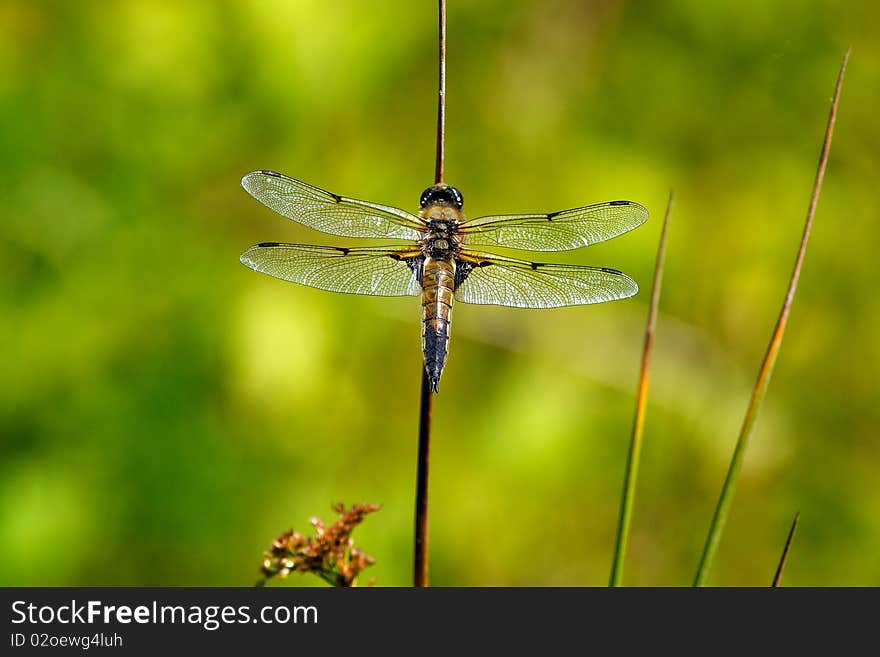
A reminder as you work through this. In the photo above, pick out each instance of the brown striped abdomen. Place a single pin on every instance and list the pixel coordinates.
(438, 284)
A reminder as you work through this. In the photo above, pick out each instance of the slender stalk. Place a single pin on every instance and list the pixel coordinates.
(441, 98)
(784, 557)
(722, 509)
(420, 575)
(421, 561)
(635, 445)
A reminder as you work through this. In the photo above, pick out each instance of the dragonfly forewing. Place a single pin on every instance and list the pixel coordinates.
(555, 231)
(329, 212)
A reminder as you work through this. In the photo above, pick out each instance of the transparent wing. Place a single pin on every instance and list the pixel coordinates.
(328, 212)
(380, 271)
(491, 279)
(556, 231)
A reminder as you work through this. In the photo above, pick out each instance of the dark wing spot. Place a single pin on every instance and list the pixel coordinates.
(551, 215)
(462, 269)
(483, 263)
(535, 265)
(343, 250)
(269, 172)
(416, 264)
(336, 197)
(620, 203)
(269, 244)
(608, 270)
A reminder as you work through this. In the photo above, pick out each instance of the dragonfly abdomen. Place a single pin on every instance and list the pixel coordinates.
(438, 285)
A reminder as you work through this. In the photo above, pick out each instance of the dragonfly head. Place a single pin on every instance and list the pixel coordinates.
(441, 194)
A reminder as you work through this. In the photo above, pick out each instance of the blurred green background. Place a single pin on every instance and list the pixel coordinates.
(166, 412)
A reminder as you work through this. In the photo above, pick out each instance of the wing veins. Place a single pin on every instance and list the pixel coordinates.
(378, 271)
(555, 231)
(522, 284)
(329, 212)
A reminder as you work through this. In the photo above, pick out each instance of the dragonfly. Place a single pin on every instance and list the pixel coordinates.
(434, 258)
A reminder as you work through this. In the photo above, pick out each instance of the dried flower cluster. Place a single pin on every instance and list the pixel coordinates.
(331, 554)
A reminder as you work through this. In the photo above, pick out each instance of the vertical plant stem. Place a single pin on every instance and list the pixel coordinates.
(421, 561)
(719, 519)
(420, 575)
(441, 98)
(635, 446)
(784, 557)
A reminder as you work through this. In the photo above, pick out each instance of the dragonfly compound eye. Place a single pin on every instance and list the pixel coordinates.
(441, 195)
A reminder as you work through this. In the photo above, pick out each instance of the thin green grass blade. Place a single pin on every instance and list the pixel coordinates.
(635, 446)
(784, 557)
(722, 509)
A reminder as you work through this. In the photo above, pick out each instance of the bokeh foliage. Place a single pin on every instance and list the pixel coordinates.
(165, 412)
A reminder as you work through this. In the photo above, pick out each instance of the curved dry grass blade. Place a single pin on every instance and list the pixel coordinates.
(722, 509)
(420, 567)
(784, 557)
(635, 445)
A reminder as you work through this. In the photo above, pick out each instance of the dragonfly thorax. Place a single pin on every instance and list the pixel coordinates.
(441, 227)
(441, 240)
(440, 246)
